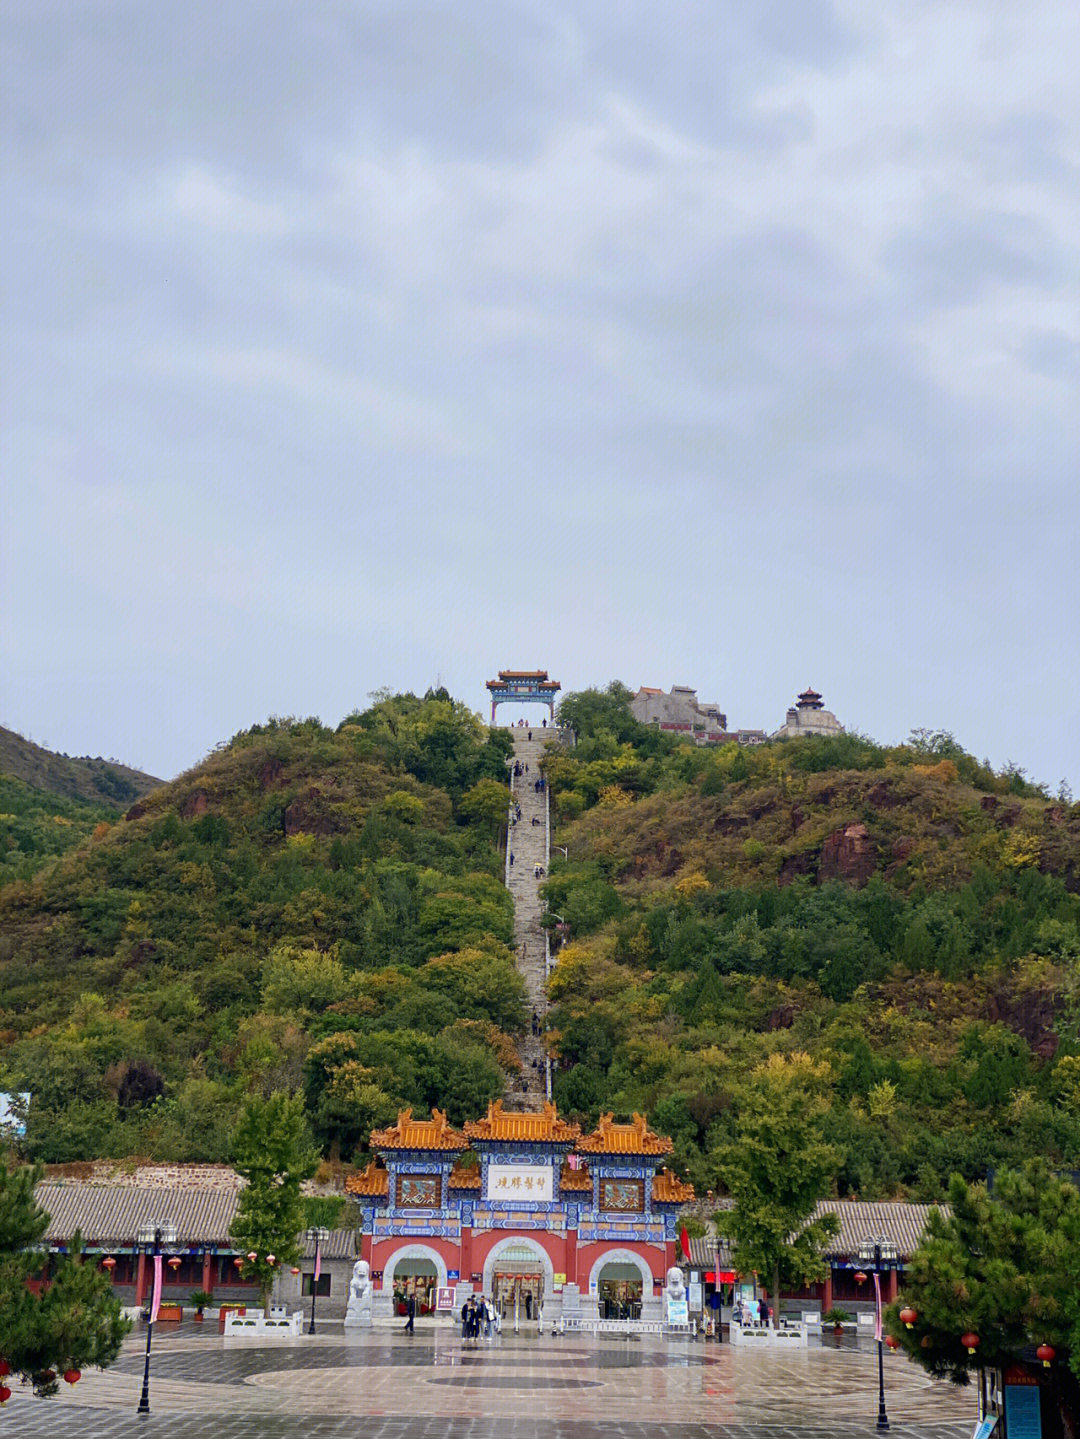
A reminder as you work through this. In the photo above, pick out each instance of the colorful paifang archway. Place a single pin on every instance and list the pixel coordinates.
(523, 687)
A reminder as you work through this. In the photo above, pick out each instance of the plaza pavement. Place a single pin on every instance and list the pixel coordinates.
(432, 1386)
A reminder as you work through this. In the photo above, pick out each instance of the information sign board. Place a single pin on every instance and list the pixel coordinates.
(444, 1299)
(695, 1295)
(677, 1312)
(1022, 1417)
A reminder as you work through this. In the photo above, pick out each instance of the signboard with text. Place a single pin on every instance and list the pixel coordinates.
(444, 1299)
(677, 1312)
(1023, 1417)
(533, 1182)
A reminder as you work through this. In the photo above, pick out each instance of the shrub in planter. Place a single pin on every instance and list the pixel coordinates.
(837, 1318)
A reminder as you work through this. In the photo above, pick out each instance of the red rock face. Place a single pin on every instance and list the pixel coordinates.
(848, 854)
(195, 805)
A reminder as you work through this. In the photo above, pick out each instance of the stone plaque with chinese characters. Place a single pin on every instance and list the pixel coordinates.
(533, 1182)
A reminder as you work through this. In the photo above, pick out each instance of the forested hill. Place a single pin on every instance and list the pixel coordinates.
(308, 907)
(904, 915)
(323, 908)
(96, 781)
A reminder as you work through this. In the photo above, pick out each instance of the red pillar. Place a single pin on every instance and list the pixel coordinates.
(826, 1302)
(465, 1253)
(571, 1256)
(892, 1286)
(140, 1278)
(365, 1248)
(207, 1272)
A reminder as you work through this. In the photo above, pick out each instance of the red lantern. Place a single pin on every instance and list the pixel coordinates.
(5, 1394)
(270, 1258)
(5, 1369)
(252, 1257)
(1047, 1353)
(892, 1341)
(926, 1342)
(970, 1341)
(860, 1278)
(109, 1263)
(295, 1270)
(238, 1262)
(72, 1376)
(174, 1264)
(908, 1316)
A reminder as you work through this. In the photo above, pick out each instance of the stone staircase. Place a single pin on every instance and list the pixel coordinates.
(527, 841)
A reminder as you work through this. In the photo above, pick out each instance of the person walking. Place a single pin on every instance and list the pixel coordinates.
(410, 1311)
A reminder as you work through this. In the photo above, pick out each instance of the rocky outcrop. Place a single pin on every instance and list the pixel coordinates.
(848, 854)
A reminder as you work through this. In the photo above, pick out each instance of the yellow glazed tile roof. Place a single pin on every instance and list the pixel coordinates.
(465, 1176)
(668, 1188)
(575, 1179)
(374, 1182)
(633, 1138)
(410, 1133)
(527, 1128)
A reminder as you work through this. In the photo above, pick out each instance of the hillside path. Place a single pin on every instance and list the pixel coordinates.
(528, 841)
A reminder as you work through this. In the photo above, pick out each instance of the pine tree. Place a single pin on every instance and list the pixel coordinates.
(75, 1321)
(273, 1152)
(1004, 1265)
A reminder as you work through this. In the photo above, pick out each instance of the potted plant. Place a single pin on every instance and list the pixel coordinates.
(199, 1299)
(837, 1318)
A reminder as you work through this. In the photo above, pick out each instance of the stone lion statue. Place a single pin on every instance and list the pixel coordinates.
(358, 1312)
(676, 1286)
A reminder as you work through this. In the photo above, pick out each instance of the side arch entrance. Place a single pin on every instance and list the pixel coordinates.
(622, 1282)
(414, 1269)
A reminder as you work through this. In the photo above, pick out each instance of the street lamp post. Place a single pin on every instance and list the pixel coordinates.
(152, 1237)
(881, 1255)
(316, 1237)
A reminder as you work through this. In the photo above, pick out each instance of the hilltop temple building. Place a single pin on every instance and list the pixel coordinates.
(808, 716)
(680, 712)
(523, 1208)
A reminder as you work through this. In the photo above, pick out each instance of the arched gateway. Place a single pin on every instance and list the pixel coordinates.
(523, 687)
(524, 1208)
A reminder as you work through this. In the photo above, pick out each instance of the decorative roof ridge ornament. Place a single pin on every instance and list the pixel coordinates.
(410, 1133)
(610, 1137)
(523, 1126)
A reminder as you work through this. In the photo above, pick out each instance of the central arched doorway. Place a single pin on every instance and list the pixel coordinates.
(517, 1276)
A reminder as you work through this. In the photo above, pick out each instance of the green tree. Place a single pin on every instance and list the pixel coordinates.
(273, 1152)
(1004, 1265)
(776, 1168)
(486, 803)
(76, 1322)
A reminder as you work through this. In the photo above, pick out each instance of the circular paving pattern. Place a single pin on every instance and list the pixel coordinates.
(334, 1386)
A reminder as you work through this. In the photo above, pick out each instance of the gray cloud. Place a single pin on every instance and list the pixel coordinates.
(357, 344)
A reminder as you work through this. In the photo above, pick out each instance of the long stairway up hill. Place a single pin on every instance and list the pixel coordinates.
(528, 843)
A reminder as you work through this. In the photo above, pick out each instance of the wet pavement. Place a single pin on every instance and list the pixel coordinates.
(432, 1386)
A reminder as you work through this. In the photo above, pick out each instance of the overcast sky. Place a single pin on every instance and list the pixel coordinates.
(351, 345)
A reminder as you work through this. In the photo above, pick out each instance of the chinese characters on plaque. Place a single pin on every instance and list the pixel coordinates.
(534, 1182)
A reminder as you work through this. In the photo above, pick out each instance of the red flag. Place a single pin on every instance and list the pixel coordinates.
(877, 1306)
(155, 1301)
(318, 1262)
(684, 1242)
